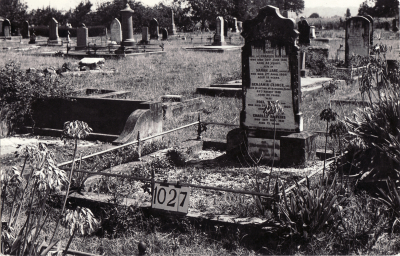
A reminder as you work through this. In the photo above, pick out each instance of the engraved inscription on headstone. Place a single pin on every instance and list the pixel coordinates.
(270, 80)
(264, 146)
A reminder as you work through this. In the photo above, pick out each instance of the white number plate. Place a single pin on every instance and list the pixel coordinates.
(170, 198)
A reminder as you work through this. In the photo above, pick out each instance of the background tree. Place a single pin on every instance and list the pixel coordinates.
(314, 15)
(386, 8)
(80, 14)
(43, 16)
(347, 14)
(15, 11)
(365, 9)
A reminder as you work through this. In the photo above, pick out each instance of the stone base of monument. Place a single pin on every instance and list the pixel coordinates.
(290, 148)
(80, 48)
(55, 42)
(219, 43)
(143, 42)
(215, 48)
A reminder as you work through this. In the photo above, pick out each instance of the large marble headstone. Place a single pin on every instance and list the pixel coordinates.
(304, 30)
(154, 29)
(172, 29)
(53, 32)
(270, 74)
(116, 32)
(25, 29)
(219, 38)
(7, 28)
(82, 36)
(357, 40)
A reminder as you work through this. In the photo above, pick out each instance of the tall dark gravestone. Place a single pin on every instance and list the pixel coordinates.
(7, 28)
(270, 75)
(304, 30)
(153, 29)
(25, 29)
(164, 33)
(357, 40)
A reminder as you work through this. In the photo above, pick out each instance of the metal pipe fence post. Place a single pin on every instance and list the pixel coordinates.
(199, 128)
(152, 184)
(139, 148)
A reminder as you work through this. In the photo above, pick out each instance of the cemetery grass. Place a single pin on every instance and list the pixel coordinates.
(180, 72)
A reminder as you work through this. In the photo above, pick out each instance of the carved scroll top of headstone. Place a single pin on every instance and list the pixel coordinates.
(269, 23)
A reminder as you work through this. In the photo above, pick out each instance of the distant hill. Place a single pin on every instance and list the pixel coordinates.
(329, 11)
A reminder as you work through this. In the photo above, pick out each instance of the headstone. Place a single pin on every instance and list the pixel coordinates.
(226, 26)
(235, 26)
(7, 28)
(240, 26)
(219, 38)
(357, 37)
(154, 29)
(68, 37)
(304, 29)
(1, 26)
(172, 29)
(25, 29)
(82, 36)
(270, 75)
(32, 39)
(164, 33)
(53, 32)
(116, 33)
(145, 35)
(387, 26)
(127, 30)
(395, 26)
(371, 29)
(312, 32)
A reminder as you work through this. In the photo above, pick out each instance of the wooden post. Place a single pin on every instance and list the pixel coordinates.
(139, 149)
(152, 184)
(199, 128)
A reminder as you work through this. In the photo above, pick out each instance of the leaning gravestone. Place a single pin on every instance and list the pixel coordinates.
(153, 29)
(82, 36)
(219, 38)
(25, 29)
(164, 33)
(270, 73)
(357, 40)
(7, 28)
(53, 32)
(116, 32)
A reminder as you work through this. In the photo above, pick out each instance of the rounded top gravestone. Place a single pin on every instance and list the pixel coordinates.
(116, 32)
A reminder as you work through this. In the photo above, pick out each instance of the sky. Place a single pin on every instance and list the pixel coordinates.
(66, 5)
